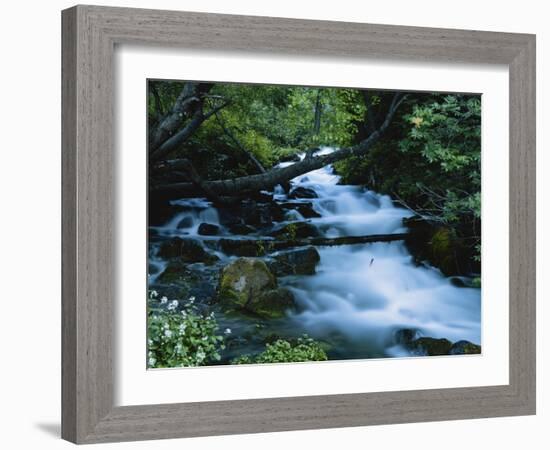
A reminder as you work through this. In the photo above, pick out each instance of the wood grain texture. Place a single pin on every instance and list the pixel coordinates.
(89, 36)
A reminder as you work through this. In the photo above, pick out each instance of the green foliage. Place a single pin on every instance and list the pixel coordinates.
(430, 161)
(181, 338)
(283, 351)
(269, 122)
(447, 133)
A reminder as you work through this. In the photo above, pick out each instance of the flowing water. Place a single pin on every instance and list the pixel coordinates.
(361, 294)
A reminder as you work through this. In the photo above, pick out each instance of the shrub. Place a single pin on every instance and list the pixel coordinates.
(281, 351)
(181, 338)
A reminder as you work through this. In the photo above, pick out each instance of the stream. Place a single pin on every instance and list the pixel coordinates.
(360, 294)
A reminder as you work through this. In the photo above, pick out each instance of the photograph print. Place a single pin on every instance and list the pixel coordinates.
(291, 224)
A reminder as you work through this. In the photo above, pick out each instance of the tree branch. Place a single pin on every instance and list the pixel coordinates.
(185, 133)
(250, 156)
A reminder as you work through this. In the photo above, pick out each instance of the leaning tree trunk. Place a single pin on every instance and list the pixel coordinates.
(265, 181)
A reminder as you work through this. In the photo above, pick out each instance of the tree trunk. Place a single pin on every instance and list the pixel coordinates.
(173, 119)
(260, 247)
(317, 119)
(172, 143)
(266, 181)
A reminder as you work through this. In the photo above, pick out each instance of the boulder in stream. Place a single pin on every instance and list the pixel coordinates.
(208, 229)
(241, 228)
(244, 279)
(272, 304)
(302, 192)
(295, 230)
(464, 348)
(300, 261)
(248, 284)
(305, 209)
(427, 346)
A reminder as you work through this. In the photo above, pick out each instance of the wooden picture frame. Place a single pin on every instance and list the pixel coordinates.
(90, 34)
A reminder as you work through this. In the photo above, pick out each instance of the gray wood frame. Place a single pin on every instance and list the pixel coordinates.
(89, 36)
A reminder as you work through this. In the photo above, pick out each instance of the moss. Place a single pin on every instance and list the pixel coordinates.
(243, 280)
(272, 304)
(465, 348)
(427, 346)
(442, 252)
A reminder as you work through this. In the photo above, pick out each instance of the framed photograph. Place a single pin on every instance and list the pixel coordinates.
(277, 224)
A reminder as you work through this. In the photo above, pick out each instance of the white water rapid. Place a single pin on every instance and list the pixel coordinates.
(364, 293)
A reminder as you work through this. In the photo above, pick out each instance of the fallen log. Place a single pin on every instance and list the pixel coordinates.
(263, 246)
(266, 181)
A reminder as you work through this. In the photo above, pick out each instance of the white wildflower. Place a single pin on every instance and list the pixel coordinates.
(182, 328)
(227, 331)
(173, 305)
(164, 299)
(152, 362)
(168, 333)
(154, 294)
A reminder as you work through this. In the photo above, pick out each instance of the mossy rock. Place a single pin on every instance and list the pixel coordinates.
(272, 304)
(465, 348)
(440, 246)
(244, 280)
(427, 346)
(175, 271)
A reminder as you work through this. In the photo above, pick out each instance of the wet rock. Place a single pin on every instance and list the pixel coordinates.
(458, 282)
(464, 348)
(300, 261)
(302, 192)
(174, 271)
(230, 216)
(243, 281)
(427, 346)
(272, 304)
(186, 222)
(208, 229)
(262, 196)
(440, 246)
(405, 336)
(187, 250)
(305, 209)
(180, 280)
(256, 214)
(241, 228)
(295, 230)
